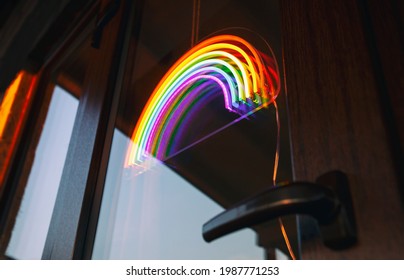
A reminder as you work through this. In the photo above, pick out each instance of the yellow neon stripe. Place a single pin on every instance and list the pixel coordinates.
(220, 46)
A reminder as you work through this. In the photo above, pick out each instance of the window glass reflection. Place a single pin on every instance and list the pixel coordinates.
(159, 215)
(197, 102)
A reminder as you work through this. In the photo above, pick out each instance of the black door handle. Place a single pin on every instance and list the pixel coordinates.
(328, 201)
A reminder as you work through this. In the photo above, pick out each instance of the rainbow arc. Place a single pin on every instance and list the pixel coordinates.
(247, 79)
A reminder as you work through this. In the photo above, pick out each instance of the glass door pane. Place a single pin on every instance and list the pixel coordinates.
(196, 130)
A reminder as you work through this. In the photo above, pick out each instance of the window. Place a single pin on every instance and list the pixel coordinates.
(48, 147)
(29, 233)
(94, 89)
(156, 209)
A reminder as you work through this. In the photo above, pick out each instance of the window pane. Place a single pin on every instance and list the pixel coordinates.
(158, 215)
(196, 129)
(31, 227)
(47, 150)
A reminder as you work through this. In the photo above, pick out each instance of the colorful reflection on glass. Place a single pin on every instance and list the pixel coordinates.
(223, 64)
(13, 109)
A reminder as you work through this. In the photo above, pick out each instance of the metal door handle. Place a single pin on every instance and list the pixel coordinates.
(328, 201)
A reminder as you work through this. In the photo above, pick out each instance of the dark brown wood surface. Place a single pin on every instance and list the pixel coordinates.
(386, 20)
(337, 120)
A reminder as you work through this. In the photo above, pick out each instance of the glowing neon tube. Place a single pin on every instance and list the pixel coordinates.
(247, 79)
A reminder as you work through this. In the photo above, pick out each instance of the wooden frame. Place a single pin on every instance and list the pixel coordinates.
(87, 139)
(337, 105)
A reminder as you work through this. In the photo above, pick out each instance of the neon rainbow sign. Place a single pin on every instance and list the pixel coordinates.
(247, 79)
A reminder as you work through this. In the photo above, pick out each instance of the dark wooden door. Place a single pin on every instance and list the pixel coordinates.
(343, 67)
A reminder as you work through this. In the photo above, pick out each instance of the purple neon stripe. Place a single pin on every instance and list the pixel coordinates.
(176, 116)
(170, 103)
